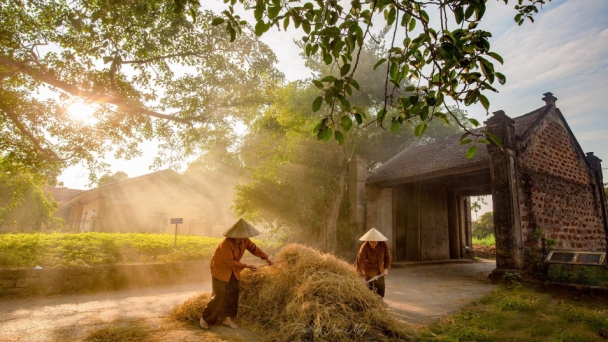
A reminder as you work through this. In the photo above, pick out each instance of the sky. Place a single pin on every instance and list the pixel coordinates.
(565, 51)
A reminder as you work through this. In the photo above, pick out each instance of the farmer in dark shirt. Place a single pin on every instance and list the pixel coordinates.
(226, 267)
(374, 260)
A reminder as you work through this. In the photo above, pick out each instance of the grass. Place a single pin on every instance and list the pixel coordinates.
(525, 314)
(489, 240)
(61, 250)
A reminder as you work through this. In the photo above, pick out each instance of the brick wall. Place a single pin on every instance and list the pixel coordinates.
(557, 194)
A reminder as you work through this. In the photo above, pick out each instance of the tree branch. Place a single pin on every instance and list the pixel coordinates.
(37, 143)
(91, 96)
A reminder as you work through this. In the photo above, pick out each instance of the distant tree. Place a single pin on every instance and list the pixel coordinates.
(476, 205)
(23, 206)
(484, 226)
(112, 178)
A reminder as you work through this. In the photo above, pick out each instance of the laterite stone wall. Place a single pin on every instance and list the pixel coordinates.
(557, 193)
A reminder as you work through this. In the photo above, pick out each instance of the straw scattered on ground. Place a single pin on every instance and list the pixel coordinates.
(308, 296)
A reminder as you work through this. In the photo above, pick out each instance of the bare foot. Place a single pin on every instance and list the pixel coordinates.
(204, 325)
(227, 321)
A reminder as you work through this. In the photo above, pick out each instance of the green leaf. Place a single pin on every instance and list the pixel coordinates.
(328, 134)
(496, 57)
(494, 139)
(392, 14)
(346, 122)
(501, 78)
(273, 12)
(286, 23)
(354, 84)
(306, 26)
(379, 63)
(316, 105)
(472, 151)
(317, 128)
(259, 28)
(359, 118)
(318, 84)
(474, 122)
(394, 70)
(344, 69)
(340, 137)
(465, 141)
(217, 21)
(483, 141)
(420, 129)
(412, 25)
(394, 126)
(328, 79)
(484, 101)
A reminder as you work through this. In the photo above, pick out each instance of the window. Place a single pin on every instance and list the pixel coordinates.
(159, 222)
(83, 222)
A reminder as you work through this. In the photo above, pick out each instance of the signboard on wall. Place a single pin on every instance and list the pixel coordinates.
(177, 220)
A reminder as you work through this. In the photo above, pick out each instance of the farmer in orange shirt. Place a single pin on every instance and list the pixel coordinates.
(374, 260)
(226, 267)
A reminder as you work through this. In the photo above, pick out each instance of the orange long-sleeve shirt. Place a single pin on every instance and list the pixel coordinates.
(227, 258)
(373, 261)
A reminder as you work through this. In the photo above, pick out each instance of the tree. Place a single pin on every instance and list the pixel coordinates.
(107, 178)
(299, 187)
(476, 205)
(451, 60)
(23, 206)
(484, 226)
(151, 71)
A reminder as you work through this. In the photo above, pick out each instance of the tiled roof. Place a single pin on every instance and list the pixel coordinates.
(62, 195)
(440, 155)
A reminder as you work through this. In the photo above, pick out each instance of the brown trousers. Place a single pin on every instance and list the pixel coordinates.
(225, 300)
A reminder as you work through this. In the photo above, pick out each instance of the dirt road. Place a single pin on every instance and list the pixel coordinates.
(417, 295)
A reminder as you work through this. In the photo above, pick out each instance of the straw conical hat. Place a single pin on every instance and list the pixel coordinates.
(242, 229)
(373, 235)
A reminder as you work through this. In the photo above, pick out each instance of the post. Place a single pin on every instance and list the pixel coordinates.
(175, 243)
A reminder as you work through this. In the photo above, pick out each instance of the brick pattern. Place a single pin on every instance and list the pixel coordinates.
(556, 192)
(552, 152)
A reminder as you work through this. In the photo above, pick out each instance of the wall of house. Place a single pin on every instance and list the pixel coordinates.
(557, 193)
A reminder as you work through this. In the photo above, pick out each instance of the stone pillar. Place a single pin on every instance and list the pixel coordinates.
(357, 175)
(596, 168)
(385, 216)
(505, 193)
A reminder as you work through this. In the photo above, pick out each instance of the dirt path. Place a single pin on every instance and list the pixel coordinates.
(417, 295)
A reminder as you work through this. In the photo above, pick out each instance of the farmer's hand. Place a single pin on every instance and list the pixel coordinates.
(386, 272)
(269, 261)
(252, 267)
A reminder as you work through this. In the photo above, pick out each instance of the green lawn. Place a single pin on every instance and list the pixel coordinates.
(525, 314)
(58, 250)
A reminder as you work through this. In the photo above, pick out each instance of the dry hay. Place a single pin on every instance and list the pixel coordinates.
(313, 296)
(127, 333)
(307, 296)
(191, 309)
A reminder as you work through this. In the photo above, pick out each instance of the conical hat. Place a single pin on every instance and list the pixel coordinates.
(373, 235)
(242, 229)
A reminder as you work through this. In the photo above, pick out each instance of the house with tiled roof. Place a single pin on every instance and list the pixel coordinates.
(146, 204)
(543, 186)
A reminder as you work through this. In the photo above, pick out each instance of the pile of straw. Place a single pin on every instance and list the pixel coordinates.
(313, 296)
(307, 296)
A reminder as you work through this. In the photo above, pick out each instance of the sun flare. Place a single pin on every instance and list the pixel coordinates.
(82, 112)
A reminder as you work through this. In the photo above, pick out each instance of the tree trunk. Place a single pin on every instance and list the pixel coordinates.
(331, 229)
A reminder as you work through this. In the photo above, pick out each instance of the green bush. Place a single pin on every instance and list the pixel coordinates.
(60, 250)
(577, 274)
